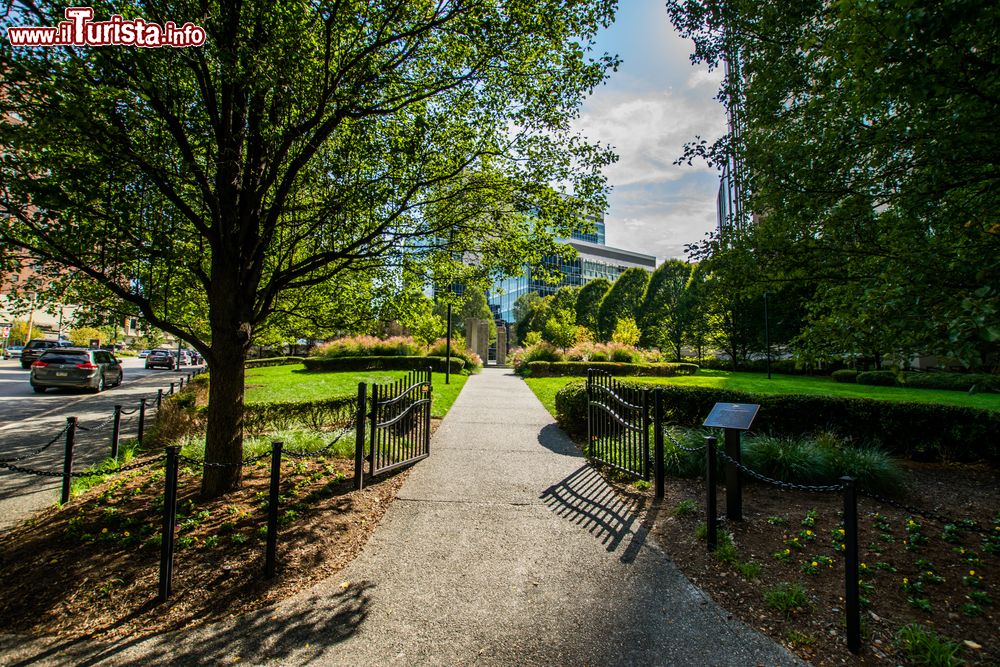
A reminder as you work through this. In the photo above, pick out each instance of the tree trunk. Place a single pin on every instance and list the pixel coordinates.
(224, 435)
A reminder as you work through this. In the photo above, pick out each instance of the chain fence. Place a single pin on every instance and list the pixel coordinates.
(319, 452)
(84, 473)
(781, 484)
(38, 451)
(676, 443)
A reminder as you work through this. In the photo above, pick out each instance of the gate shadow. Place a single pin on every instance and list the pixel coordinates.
(621, 524)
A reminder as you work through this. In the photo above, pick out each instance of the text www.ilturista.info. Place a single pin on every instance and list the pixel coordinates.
(79, 30)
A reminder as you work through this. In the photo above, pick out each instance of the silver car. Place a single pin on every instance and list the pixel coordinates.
(76, 367)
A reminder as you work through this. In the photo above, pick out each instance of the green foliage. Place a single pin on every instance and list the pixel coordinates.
(458, 349)
(925, 647)
(82, 336)
(844, 375)
(787, 598)
(570, 404)
(685, 508)
(626, 332)
(361, 346)
(588, 302)
(560, 329)
(390, 363)
(877, 378)
(979, 382)
(627, 369)
(918, 431)
(668, 307)
(542, 351)
(273, 361)
(19, 333)
(624, 299)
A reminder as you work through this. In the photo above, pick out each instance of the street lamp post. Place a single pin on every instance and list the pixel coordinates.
(447, 361)
(767, 338)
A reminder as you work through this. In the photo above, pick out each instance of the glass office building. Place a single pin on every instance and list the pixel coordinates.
(594, 260)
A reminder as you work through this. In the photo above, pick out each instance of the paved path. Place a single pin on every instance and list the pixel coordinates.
(503, 548)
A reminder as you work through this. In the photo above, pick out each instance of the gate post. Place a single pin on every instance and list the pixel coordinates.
(659, 473)
(645, 433)
(374, 429)
(427, 411)
(590, 415)
(359, 437)
(710, 504)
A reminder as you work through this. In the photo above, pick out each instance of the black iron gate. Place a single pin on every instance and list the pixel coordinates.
(398, 421)
(618, 423)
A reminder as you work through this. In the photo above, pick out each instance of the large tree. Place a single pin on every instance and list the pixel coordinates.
(866, 133)
(667, 309)
(624, 299)
(303, 143)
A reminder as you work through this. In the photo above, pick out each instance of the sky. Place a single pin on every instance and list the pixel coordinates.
(647, 110)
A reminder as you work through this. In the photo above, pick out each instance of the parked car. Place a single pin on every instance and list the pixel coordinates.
(76, 367)
(13, 352)
(161, 359)
(144, 354)
(34, 349)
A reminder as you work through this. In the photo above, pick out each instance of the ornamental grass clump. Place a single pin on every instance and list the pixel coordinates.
(370, 346)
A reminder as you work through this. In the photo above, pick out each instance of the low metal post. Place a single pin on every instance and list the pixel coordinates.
(271, 555)
(734, 478)
(851, 575)
(116, 429)
(159, 398)
(172, 388)
(644, 441)
(68, 459)
(588, 449)
(169, 522)
(710, 504)
(359, 437)
(659, 472)
(189, 377)
(142, 418)
(181, 387)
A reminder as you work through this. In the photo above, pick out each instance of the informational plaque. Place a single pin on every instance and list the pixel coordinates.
(732, 415)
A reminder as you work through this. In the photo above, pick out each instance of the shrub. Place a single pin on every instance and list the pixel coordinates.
(787, 598)
(845, 375)
(272, 361)
(458, 349)
(363, 346)
(569, 368)
(541, 351)
(626, 332)
(877, 378)
(438, 364)
(953, 381)
(925, 647)
(921, 431)
(261, 417)
(571, 409)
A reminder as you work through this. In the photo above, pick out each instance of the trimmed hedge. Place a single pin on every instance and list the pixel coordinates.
(438, 364)
(877, 378)
(983, 382)
(541, 369)
(920, 431)
(845, 375)
(272, 361)
(261, 417)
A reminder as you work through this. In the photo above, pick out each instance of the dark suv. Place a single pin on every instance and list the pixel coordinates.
(76, 367)
(34, 349)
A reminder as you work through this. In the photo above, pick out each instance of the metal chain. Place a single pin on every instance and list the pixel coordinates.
(102, 425)
(86, 473)
(129, 412)
(207, 464)
(39, 450)
(928, 514)
(318, 452)
(785, 486)
(678, 445)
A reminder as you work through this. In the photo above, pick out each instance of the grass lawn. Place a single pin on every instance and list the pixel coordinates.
(295, 383)
(545, 388)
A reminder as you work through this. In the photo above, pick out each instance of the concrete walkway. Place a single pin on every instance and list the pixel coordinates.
(503, 548)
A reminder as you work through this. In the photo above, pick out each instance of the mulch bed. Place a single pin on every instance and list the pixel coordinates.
(91, 568)
(913, 571)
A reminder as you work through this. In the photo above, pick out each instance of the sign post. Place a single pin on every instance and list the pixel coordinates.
(733, 418)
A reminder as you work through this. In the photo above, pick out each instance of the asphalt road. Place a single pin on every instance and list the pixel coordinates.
(29, 420)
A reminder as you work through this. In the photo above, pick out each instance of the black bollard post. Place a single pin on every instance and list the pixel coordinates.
(142, 418)
(359, 437)
(427, 411)
(271, 555)
(734, 478)
(169, 522)
(659, 472)
(116, 429)
(181, 387)
(171, 393)
(710, 504)
(851, 584)
(68, 459)
(159, 398)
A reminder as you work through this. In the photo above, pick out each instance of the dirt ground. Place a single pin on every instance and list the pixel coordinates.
(913, 570)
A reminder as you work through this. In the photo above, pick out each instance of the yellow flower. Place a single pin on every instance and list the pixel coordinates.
(809, 532)
(104, 530)
(864, 567)
(815, 563)
(905, 580)
(125, 534)
(972, 573)
(930, 572)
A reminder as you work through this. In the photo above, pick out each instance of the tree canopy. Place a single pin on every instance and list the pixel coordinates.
(304, 143)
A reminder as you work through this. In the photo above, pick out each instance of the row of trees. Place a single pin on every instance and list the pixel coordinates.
(867, 139)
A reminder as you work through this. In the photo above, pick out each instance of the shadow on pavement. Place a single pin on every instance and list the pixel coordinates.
(586, 499)
(552, 438)
(317, 622)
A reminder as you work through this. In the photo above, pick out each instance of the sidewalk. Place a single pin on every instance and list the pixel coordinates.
(503, 548)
